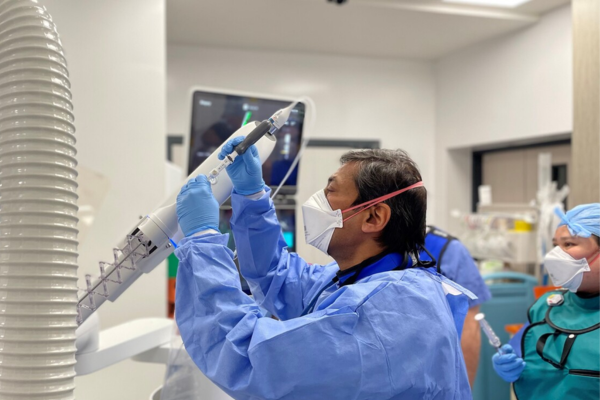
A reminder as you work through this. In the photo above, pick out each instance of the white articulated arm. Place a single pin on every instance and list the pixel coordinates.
(154, 237)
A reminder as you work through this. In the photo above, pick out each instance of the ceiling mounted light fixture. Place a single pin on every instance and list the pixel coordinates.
(490, 3)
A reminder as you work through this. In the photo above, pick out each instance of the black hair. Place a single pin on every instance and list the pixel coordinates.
(381, 172)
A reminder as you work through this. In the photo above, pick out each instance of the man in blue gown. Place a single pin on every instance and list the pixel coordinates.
(375, 324)
(456, 263)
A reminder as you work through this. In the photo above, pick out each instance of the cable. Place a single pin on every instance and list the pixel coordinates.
(305, 139)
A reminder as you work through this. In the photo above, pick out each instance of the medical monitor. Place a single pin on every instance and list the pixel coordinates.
(215, 116)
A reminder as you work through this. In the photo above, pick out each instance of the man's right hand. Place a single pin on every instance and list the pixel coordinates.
(246, 170)
(508, 366)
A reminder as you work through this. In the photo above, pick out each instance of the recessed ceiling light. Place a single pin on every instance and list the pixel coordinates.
(490, 3)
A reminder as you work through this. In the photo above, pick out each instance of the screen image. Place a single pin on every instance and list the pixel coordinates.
(217, 116)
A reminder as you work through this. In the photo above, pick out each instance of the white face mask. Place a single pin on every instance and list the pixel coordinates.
(320, 220)
(564, 270)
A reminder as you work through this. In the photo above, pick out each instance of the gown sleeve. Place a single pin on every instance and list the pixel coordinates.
(251, 356)
(280, 281)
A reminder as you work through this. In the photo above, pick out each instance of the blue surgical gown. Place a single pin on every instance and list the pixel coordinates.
(390, 335)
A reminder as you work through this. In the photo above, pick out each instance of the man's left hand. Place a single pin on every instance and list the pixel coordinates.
(197, 208)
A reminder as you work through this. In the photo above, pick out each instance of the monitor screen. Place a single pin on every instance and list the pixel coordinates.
(217, 116)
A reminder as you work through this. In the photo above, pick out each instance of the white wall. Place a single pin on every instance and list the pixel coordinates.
(356, 98)
(515, 88)
(116, 55)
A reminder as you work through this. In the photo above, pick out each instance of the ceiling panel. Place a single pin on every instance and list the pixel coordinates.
(423, 29)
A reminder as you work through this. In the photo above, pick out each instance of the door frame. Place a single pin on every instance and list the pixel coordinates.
(477, 168)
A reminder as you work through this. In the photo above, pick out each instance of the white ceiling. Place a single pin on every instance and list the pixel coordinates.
(414, 29)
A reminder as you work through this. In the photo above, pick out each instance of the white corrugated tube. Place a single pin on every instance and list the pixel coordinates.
(38, 208)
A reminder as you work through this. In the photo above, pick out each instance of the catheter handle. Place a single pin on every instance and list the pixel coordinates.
(253, 137)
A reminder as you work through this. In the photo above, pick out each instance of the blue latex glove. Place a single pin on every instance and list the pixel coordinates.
(508, 366)
(246, 170)
(197, 208)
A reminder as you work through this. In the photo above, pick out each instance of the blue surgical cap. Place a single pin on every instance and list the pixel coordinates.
(582, 221)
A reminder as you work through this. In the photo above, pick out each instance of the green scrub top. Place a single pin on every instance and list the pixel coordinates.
(561, 348)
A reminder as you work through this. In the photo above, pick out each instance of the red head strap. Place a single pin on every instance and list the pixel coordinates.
(371, 203)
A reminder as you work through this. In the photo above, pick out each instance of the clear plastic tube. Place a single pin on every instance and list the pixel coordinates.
(226, 162)
(489, 332)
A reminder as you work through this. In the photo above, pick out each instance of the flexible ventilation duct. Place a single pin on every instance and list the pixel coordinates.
(38, 208)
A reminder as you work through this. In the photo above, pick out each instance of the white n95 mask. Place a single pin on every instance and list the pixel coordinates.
(564, 270)
(320, 220)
